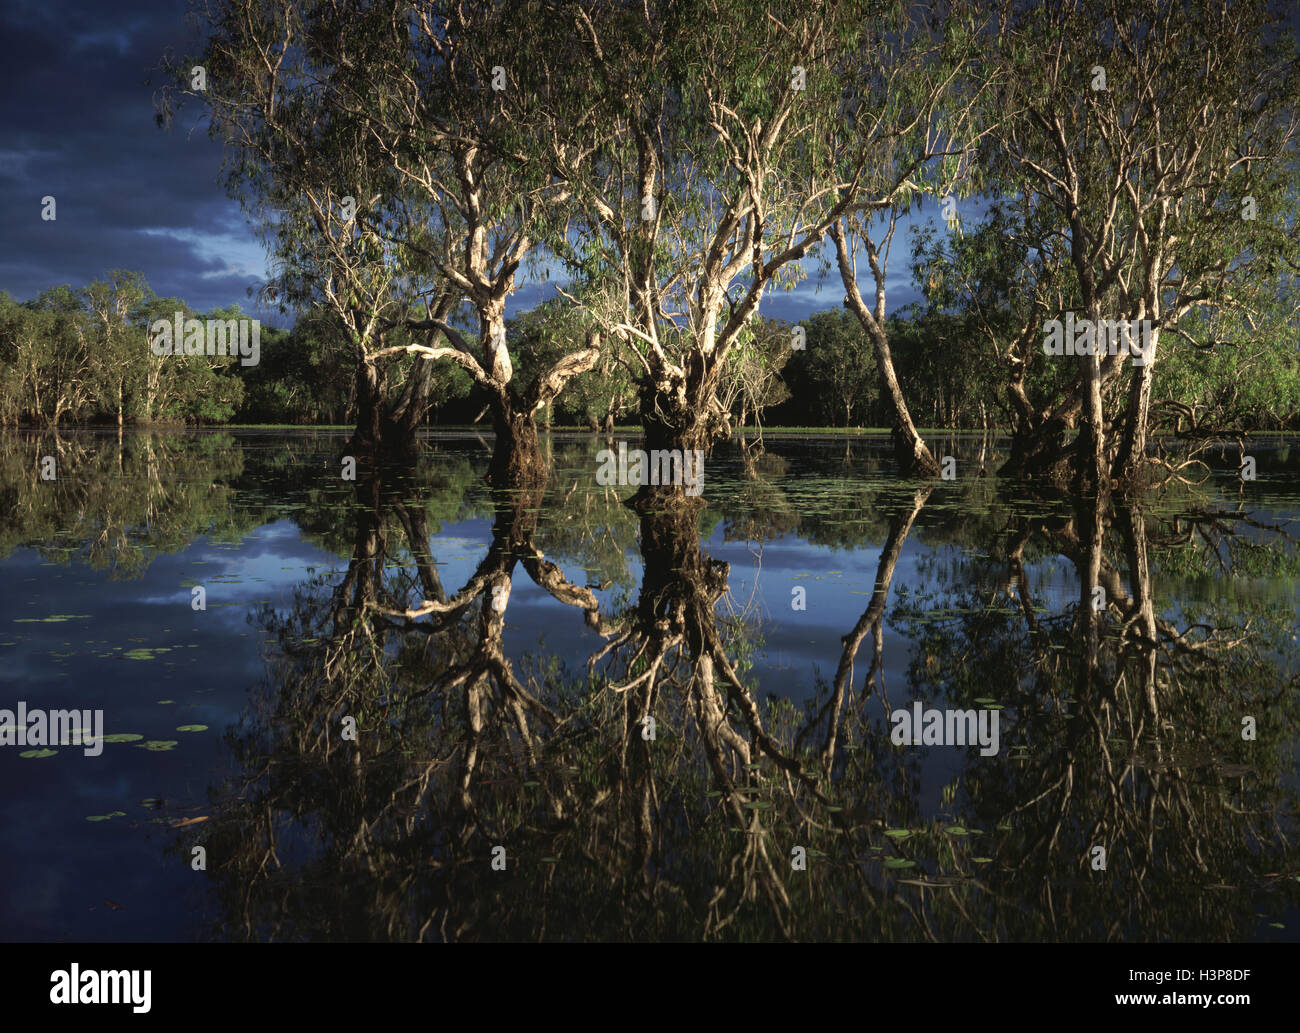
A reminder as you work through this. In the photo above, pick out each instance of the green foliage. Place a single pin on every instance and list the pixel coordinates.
(833, 379)
(81, 356)
(1231, 376)
(304, 376)
(542, 336)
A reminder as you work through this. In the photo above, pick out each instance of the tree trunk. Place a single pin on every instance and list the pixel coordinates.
(684, 413)
(492, 341)
(1131, 459)
(367, 436)
(913, 455)
(517, 460)
(914, 458)
(1039, 452)
(1091, 472)
(408, 411)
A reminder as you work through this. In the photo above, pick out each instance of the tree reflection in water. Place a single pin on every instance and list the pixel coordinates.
(1121, 730)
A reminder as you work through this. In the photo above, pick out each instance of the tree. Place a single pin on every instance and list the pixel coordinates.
(57, 355)
(1001, 278)
(13, 318)
(720, 166)
(302, 164)
(386, 168)
(928, 100)
(470, 139)
(753, 377)
(304, 375)
(836, 369)
(1139, 143)
(116, 307)
(542, 336)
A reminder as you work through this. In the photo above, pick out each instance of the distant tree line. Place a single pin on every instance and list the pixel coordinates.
(83, 356)
(69, 356)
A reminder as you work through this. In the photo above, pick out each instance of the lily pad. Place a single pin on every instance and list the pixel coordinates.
(956, 830)
(898, 833)
(899, 862)
(145, 654)
(192, 728)
(158, 745)
(106, 817)
(38, 754)
(123, 737)
(982, 860)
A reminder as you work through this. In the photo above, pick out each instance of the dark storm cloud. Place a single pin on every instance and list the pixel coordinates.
(76, 104)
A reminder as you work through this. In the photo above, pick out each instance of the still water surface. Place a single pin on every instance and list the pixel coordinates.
(497, 654)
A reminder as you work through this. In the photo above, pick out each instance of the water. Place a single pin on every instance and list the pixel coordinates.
(501, 782)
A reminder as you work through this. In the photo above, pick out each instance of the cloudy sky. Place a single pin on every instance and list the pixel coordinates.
(76, 110)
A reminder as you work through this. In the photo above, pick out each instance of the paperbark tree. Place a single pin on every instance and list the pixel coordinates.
(59, 356)
(928, 110)
(1140, 131)
(116, 310)
(469, 129)
(722, 163)
(373, 149)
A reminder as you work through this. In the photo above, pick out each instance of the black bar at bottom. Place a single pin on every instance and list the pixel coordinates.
(332, 982)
